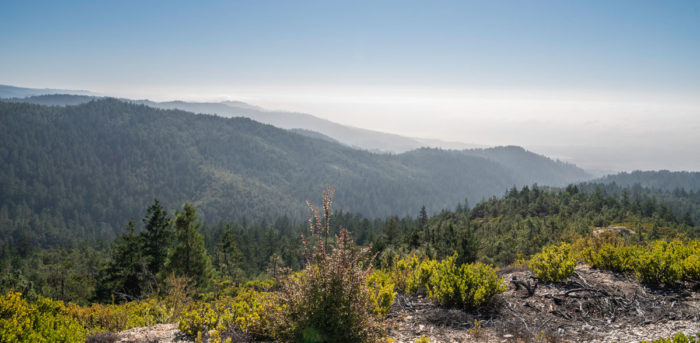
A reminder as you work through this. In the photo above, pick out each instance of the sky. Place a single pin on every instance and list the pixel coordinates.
(608, 85)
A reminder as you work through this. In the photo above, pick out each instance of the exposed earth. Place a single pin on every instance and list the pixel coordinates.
(591, 306)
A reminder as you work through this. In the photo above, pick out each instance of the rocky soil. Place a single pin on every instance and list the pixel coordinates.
(592, 306)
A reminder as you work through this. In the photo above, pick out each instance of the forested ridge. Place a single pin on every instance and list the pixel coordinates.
(115, 215)
(662, 180)
(497, 231)
(77, 173)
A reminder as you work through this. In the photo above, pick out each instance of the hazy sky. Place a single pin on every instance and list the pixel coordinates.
(605, 84)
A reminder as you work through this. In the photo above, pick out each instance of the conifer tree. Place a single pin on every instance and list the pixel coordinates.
(228, 257)
(126, 273)
(189, 256)
(156, 237)
(423, 223)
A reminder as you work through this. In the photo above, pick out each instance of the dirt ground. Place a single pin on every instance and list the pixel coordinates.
(591, 306)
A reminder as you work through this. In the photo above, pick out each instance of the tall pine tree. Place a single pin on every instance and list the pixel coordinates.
(189, 256)
(126, 274)
(156, 237)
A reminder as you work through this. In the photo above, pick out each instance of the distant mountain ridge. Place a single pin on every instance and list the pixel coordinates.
(351, 136)
(7, 91)
(662, 179)
(84, 170)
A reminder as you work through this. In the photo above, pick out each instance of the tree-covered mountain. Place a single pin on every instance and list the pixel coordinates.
(82, 171)
(663, 179)
(352, 136)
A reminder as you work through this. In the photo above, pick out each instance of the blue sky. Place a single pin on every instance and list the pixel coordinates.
(572, 44)
(460, 70)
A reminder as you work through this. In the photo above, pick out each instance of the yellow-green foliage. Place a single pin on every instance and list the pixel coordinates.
(662, 262)
(254, 312)
(466, 286)
(554, 263)
(422, 339)
(691, 263)
(691, 267)
(381, 291)
(250, 311)
(100, 318)
(39, 322)
(677, 338)
(615, 258)
(401, 269)
(658, 262)
(412, 274)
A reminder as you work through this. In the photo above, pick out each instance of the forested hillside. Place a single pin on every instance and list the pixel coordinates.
(79, 172)
(662, 179)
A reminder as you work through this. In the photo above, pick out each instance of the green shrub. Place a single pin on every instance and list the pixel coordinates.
(251, 312)
(661, 263)
(554, 263)
(466, 286)
(254, 312)
(615, 258)
(412, 274)
(402, 269)
(691, 267)
(40, 322)
(98, 318)
(691, 263)
(381, 292)
(658, 262)
(199, 320)
(677, 338)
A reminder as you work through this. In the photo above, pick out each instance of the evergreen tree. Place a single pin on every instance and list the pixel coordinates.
(423, 223)
(228, 258)
(391, 230)
(156, 237)
(468, 246)
(126, 272)
(189, 256)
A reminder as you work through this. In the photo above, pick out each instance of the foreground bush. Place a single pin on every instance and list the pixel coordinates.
(250, 312)
(614, 258)
(381, 292)
(98, 318)
(412, 274)
(677, 338)
(466, 286)
(661, 263)
(41, 322)
(656, 263)
(554, 263)
(329, 301)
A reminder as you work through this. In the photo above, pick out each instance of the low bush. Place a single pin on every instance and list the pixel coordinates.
(554, 263)
(677, 338)
(250, 312)
(661, 263)
(412, 274)
(466, 286)
(691, 267)
(41, 322)
(98, 318)
(656, 263)
(381, 292)
(615, 258)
